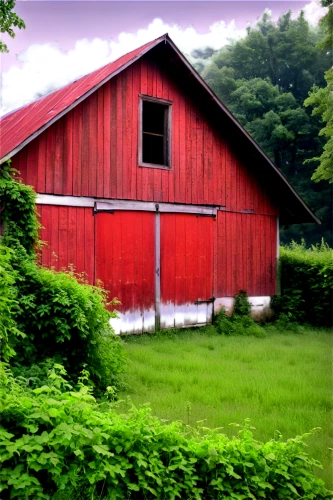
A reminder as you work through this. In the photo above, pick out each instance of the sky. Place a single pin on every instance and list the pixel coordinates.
(64, 40)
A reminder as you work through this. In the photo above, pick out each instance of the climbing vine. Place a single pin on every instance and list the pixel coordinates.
(18, 211)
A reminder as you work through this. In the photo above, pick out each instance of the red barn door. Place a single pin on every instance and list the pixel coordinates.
(125, 262)
(186, 270)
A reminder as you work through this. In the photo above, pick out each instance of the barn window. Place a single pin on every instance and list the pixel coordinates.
(154, 134)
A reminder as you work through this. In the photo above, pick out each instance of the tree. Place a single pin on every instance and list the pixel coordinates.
(326, 24)
(263, 79)
(8, 20)
(322, 101)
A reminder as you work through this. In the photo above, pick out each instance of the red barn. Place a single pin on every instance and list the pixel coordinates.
(147, 182)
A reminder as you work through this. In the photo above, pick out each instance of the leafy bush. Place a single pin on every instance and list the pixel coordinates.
(58, 443)
(65, 320)
(306, 284)
(239, 322)
(18, 210)
(56, 316)
(8, 302)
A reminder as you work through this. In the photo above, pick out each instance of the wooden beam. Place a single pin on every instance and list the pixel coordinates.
(108, 204)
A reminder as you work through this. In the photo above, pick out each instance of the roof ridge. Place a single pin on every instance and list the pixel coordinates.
(82, 76)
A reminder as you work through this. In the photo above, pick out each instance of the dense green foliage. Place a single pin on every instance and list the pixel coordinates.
(306, 284)
(18, 211)
(239, 322)
(264, 79)
(8, 21)
(59, 443)
(8, 303)
(46, 314)
(321, 99)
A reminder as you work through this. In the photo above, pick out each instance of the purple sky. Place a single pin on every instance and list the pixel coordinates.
(65, 22)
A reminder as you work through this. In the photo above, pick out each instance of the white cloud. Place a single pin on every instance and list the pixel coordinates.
(313, 11)
(45, 67)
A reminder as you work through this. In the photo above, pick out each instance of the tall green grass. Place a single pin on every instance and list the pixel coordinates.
(282, 382)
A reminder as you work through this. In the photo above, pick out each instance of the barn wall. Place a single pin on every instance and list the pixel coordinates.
(93, 150)
(246, 254)
(244, 248)
(69, 235)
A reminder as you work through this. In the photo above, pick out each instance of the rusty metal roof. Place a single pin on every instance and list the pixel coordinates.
(21, 126)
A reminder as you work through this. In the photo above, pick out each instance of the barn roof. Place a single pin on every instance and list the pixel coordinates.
(21, 126)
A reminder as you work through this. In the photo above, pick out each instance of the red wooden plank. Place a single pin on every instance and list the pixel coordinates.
(170, 93)
(180, 261)
(54, 239)
(182, 151)
(71, 230)
(136, 175)
(32, 163)
(193, 157)
(200, 174)
(148, 262)
(93, 144)
(114, 137)
(167, 270)
(221, 256)
(188, 168)
(77, 144)
(100, 144)
(150, 77)
(210, 177)
(86, 116)
(63, 238)
(130, 174)
(68, 154)
(59, 157)
(107, 140)
(41, 163)
(80, 241)
(89, 244)
(120, 136)
(159, 82)
(50, 159)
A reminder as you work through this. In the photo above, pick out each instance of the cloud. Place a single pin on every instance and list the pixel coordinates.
(45, 67)
(313, 11)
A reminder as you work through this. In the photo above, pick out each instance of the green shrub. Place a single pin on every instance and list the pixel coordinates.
(18, 210)
(306, 284)
(57, 442)
(8, 303)
(64, 320)
(239, 322)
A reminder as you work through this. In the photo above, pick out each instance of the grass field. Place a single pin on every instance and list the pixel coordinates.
(281, 382)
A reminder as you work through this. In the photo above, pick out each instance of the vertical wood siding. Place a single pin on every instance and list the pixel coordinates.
(246, 254)
(186, 269)
(68, 233)
(93, 150)
(125, 243)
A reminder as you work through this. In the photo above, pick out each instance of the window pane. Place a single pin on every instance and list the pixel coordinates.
(153, 117)
(153, 149)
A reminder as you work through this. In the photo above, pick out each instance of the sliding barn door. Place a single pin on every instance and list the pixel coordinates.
(125, 263)
(186, 270)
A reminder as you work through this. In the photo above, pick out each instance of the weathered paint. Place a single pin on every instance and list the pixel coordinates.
(201, 257)
(68, 234)
(186, 268)
(125, 243)
(207, 168)
(260, 306)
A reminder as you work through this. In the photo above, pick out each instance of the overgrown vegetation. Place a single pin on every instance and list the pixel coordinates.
(59, 443)
(264, 79)
(48, 315)
(239, 322)
(306, 284)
